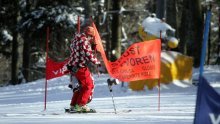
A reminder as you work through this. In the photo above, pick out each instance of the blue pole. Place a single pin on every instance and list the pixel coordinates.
(204, 43)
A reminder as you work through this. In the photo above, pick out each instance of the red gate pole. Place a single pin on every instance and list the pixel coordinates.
(78, 24)
(45, 95)
(159, 78)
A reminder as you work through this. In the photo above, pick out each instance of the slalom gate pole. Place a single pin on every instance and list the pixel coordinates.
(78, 24)
(203, 55)
(159, 80)
(205, 39)
(159, 94)
(45, 96)
(47, 48)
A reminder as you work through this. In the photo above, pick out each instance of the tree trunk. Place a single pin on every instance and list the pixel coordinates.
(116, 31)
(26, 49)
(198, 31)
(151, 6)
(171, 15)
(108, 30)
(218, 47)
(191, 30)
(184, 27)
(15, 54)
(26, 57)
(88, 8)
(14, 60)
(160, 10)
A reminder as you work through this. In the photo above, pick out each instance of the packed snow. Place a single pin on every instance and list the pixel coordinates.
(24, 104)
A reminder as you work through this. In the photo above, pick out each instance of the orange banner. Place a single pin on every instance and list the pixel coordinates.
(140, 61)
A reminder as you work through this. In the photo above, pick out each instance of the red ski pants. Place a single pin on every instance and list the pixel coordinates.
(85, 93)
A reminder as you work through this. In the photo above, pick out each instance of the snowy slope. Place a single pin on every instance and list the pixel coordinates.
(24, 104)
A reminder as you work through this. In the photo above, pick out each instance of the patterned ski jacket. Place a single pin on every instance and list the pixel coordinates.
(81, 51)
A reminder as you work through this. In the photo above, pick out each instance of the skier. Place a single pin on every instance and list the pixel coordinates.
(81, 55)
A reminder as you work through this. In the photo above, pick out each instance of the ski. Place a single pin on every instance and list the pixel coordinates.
(67, 110)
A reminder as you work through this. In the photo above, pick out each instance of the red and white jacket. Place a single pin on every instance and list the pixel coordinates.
(81, 51)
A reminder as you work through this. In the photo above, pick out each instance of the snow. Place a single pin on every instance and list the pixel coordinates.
(6, 36)
(24, 104)
(58, 14)
(154, 26)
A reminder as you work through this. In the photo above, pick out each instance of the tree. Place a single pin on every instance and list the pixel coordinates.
(197, 15)
(184, 28)
(161, 9)
(116, 31)
(88, 8)
(15, 44)
(5, 40)
(218, 48)
(151, 6)
(61, 18)
(191, 30)
(171, 14)
(26, 48)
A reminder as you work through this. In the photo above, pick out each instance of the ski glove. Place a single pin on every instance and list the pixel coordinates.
(70, 86)
(99, 65)
(76, 88)
(93, 46)
(73, 69)
(69, 67)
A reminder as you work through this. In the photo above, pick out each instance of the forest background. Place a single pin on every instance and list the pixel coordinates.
(24, 24)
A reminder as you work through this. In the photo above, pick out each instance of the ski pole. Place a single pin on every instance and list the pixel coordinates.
(113, 101)
(110, 83)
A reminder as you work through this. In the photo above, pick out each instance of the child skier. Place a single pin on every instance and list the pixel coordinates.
(81, 54)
